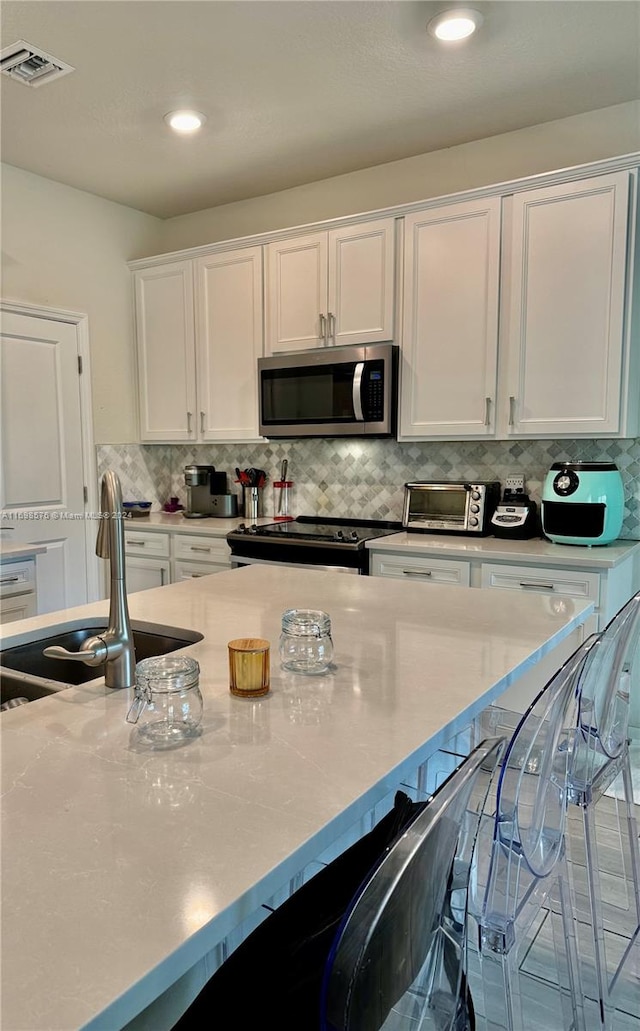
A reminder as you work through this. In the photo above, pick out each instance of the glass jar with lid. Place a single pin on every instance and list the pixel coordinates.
(167, 706)
(305, 642)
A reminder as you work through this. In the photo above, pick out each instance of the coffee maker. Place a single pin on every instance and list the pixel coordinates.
(207, 493)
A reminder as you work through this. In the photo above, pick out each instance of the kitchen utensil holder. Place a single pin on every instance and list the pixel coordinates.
(252, 502)
(282, 493)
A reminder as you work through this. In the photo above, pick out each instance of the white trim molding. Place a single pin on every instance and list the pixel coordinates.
(562, 175)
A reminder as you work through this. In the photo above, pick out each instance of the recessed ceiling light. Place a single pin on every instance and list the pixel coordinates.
(185, 121)
(457, 23)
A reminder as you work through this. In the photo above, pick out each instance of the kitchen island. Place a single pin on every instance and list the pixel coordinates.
(123, 867)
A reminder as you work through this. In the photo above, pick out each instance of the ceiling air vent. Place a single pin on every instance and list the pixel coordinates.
(30, 65)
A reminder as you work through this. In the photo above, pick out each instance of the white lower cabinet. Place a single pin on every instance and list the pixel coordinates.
(422, 567)
(606, 586)
(155, 558)
(143, 573)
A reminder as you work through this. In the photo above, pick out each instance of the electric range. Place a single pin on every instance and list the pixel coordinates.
(337, 544)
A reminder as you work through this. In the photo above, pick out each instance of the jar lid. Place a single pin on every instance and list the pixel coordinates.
(168, 672)
(306, 623)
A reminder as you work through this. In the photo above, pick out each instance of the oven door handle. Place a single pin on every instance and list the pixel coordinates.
(357, 391)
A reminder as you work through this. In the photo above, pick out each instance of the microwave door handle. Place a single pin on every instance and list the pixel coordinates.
(357, 391)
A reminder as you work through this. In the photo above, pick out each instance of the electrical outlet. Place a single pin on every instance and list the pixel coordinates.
(514, 484)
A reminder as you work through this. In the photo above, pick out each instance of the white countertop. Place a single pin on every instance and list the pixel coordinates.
(122, 867)
(11, 552)
(537, 550)
(178, 523)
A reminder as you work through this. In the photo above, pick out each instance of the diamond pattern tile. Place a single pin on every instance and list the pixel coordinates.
(339, 477)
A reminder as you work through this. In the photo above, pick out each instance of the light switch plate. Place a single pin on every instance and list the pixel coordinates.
(514, 484)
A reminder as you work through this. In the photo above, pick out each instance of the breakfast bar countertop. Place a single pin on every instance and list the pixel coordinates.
(122, 867)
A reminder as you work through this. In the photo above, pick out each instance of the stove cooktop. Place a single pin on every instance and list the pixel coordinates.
(345, 533)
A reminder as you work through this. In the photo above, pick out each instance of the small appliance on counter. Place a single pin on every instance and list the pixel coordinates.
(583, 503)
(516, 517)
(207, 493)
(451, 506)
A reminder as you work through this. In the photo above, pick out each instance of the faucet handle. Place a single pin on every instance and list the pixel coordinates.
(93, 652)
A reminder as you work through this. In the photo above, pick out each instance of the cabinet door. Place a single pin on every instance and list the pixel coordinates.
(450, 331)
(361, 283)
(296, 293)
(166, 352)
(143, 573)
(229, 343)
(566, 308)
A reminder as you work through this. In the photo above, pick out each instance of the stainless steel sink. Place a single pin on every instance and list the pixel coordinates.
(12, 688)
(36, 670)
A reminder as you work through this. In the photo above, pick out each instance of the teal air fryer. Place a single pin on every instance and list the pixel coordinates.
(582, 503)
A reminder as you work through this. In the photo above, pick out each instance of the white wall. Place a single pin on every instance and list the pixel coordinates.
(593, 136)
(65, 248)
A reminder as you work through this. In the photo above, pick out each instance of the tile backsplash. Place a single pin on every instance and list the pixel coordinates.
(365, 478)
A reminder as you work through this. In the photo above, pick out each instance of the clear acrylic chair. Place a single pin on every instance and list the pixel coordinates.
(398, 959)
(601, 755)
(520, 871)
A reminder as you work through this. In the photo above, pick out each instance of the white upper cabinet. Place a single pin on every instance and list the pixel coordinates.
(331, 287)
(566, 344)
(166, 355)
(450, 321)
(199, 337)
(229, 343)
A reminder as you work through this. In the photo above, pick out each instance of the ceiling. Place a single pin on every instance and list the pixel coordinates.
(294, 91)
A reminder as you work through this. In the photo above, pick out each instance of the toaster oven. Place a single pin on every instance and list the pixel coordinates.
(454, 506)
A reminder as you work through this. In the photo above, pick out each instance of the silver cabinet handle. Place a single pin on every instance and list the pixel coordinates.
(487, 411)
(188, 422)
(512, 409)
(356, 391)
(202, 422)
(9, 579)
(161, 577)
(194, 547)
(538, 587)
(332, 326)
(138, 544)
(416, 572)
(323, 327)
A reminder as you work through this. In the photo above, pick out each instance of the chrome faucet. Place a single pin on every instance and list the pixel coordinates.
(114, 647)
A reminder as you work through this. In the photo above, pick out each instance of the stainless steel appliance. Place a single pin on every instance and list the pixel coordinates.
(454, 506)
(207, 493)
(583, 503)
(336, 544)
(330, 392)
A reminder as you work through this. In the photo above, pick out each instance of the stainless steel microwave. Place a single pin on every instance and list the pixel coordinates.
(453, 506)
(347, 391)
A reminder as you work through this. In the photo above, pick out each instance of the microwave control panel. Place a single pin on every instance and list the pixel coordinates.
(373, 391)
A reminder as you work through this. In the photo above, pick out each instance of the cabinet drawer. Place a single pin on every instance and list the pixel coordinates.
(422, 567)
(146, 544)
(539, 579)
(193, 570)
(195, 548)
(17, 577)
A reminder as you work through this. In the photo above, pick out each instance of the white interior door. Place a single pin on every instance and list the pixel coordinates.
(41, 473)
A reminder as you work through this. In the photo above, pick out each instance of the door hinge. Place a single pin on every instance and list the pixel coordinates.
(80, 365)
(85, 494)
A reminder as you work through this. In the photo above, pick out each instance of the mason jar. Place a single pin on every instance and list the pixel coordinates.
(167, 705)
(305, 641)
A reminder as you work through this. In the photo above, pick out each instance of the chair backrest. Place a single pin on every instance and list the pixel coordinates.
(604, 688)
(401, 944)
(519, 847)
